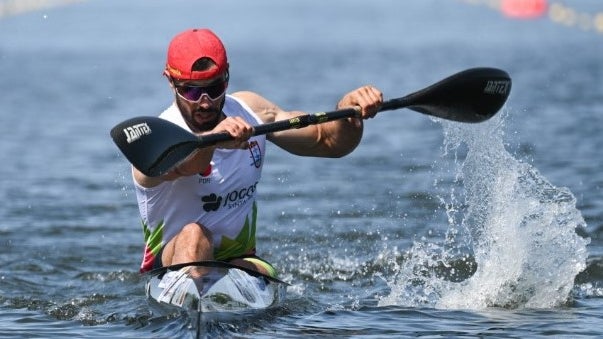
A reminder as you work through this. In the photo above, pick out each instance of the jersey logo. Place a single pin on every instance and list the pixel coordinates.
(205, 176)
(213, 202)
(256, 154)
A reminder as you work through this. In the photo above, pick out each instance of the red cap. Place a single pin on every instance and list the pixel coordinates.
(191, 45)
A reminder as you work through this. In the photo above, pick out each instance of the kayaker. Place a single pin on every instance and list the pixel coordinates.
(205, 207)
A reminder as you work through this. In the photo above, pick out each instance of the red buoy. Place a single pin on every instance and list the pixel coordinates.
(523, 9)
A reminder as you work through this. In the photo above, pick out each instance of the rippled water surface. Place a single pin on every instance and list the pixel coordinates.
(429, 228)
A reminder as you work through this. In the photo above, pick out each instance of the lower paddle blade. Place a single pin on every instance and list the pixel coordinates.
(473, 95)
(153, 145)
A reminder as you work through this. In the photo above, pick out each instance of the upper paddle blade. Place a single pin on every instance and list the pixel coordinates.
(473, 95)
(153, 145)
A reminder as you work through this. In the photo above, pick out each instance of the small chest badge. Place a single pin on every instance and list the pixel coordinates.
(256, 154)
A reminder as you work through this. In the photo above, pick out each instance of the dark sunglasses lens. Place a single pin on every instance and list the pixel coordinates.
(214, 91)
(193, 93)
(190, 93)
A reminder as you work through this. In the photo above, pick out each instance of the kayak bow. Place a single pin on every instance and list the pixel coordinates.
(224, 288)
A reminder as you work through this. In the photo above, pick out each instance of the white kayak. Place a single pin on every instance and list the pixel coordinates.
(223, 288)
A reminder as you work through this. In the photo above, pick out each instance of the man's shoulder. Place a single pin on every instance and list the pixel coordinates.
(250, 102)
(262, 107)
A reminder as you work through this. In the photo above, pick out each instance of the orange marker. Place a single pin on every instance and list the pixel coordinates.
(523, 9)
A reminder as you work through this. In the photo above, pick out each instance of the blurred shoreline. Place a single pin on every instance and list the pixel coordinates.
(15, 7)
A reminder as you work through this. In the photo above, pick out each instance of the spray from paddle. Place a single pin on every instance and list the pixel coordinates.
(517, 232)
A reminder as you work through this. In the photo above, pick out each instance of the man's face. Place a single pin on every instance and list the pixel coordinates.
(201, 101)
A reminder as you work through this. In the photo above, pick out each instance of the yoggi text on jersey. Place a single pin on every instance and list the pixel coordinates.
(239, 197)
(236, 198)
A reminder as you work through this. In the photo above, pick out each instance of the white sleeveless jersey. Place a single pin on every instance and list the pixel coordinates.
(222, 198)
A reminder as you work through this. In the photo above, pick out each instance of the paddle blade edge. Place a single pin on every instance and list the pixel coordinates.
(470, 96)
(153, 145)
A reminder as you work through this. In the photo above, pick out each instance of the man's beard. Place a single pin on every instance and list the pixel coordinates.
(196, 120)
(207, 122)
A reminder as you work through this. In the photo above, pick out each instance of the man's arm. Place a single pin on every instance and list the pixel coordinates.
(199, 160)
(333, 139)
(193, 164)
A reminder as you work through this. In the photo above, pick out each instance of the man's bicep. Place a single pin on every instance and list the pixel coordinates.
(265, 109)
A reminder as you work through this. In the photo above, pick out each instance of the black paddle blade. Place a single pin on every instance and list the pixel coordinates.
(473, 95)
(153, 145)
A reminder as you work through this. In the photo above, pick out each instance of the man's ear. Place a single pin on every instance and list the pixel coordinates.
(170, 80)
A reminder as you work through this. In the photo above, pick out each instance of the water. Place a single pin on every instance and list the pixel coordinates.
(429, 228)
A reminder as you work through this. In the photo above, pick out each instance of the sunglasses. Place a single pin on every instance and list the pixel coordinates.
(195, 93)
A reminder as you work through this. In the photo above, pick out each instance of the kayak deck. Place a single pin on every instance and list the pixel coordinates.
(222, 288)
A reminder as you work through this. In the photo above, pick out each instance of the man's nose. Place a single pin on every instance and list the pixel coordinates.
(205, 100)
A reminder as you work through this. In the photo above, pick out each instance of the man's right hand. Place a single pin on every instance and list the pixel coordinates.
(238, 129)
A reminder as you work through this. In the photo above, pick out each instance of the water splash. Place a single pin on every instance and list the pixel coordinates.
(518, 229)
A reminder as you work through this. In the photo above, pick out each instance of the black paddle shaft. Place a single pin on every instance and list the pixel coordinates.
(154, 145)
